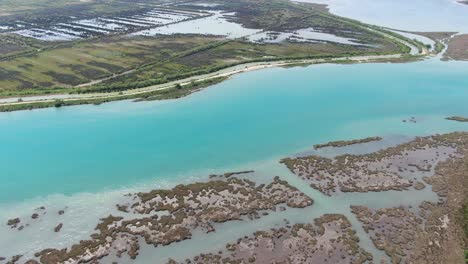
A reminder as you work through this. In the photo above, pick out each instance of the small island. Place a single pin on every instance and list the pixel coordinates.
(457, 118)
(344, 143)
(396, 168)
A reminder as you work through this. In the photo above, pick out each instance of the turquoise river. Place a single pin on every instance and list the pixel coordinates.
(254, 117)
(84, 159)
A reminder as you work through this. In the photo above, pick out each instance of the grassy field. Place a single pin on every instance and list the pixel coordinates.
(29, 67)
(81, 62)
(34, 9)
(225, 55)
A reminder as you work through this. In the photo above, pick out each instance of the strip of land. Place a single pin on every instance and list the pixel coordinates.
(458, 118)
(59, 100)
(343, 143)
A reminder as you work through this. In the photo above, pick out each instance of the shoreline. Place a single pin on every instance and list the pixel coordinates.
(59, 100)
(409, 50)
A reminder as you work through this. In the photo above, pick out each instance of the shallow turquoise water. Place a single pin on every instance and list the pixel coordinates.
(253, 117)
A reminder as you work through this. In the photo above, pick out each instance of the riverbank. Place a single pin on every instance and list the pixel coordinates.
(177, 89)
(409, 50)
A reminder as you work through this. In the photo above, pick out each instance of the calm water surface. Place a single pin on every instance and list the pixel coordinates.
(254, 117)
(415, 15)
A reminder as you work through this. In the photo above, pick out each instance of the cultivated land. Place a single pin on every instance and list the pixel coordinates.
(117, 50)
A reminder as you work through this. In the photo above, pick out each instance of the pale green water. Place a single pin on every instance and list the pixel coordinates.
(414, 15)
(254, 117)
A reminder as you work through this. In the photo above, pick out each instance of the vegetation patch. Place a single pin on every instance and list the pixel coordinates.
(457, 118)
(343, 143)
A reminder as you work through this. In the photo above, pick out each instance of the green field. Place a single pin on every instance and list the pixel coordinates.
(89, 60)
(118, 62)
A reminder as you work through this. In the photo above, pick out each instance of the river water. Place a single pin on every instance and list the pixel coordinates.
(253, 117)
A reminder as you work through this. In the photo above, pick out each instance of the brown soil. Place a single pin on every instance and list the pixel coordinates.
(457, 48)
